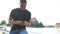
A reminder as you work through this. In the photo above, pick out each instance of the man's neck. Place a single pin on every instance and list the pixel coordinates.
(22, 9)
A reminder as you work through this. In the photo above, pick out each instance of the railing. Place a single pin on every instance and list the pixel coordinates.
(4, 32)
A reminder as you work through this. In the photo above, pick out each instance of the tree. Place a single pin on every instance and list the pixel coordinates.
(36, 24)
(41, 24)
(3, 22)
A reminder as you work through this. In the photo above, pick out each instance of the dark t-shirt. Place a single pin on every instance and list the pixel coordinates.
(19, 15)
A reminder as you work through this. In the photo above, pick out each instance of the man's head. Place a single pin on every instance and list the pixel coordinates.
(23, 4)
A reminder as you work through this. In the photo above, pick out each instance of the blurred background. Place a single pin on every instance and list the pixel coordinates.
(45, 15)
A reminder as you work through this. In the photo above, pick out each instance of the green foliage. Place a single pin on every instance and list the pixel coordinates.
(41, 25)
(3, 22)
(36, 24)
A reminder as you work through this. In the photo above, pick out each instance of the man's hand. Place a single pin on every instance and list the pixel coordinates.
(15, 22)
(25, 23)
(19, 22)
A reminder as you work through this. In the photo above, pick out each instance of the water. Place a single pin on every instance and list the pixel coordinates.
(40, 30)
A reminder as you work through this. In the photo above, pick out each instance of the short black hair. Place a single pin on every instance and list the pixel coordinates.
(23, 1)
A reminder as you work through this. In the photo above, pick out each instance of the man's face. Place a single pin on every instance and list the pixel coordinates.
(23, 6)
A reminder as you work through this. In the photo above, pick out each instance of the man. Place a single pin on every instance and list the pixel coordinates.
(19, 18)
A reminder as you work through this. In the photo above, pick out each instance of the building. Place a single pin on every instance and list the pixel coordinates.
(57, 25)
(33, 19)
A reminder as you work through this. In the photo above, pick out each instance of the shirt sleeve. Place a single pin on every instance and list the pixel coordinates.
(29, 16)
(11, 14)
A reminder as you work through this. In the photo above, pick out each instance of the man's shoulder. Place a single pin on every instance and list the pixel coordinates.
(15, 9)
(28, 11)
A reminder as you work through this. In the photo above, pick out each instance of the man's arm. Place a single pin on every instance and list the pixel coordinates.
(26, 23)
(11, 21)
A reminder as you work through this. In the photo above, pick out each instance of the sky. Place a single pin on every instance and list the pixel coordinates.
(46, 11)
